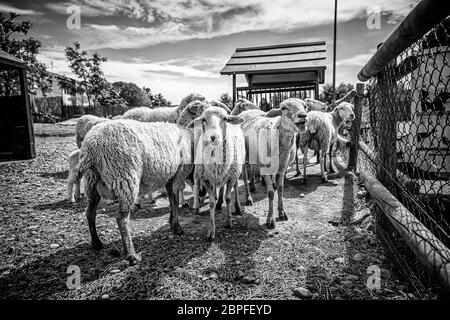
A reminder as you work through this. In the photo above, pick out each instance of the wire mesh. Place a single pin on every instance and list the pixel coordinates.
(405, 133)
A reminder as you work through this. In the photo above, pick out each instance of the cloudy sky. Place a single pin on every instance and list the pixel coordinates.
(176, 47)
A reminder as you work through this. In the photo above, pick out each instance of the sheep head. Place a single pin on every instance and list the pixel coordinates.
(213, 122)
(243, 105)
(193, 110)
(315, 105)
(189, 98)
(345, 111)
(293, 114)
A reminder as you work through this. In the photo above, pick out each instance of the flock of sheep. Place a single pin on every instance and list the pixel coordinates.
(202, 143)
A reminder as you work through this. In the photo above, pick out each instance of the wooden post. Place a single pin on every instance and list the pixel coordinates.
(316, 87)
(234, 90)
(356, 127)
(429, 249)
(30, 150)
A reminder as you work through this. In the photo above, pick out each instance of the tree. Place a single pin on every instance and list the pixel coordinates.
(132, 94)
(25, 48)
(88, 70)
(327, 92)
(156, 100)
(225, 98)
(160, 101)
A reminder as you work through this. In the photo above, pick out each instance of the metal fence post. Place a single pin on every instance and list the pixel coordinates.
(356, 127)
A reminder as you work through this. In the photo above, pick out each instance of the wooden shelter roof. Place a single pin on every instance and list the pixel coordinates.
(278, 59)
(9, 60)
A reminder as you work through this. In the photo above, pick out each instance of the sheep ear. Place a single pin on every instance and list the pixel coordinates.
(194, 122)
(234, 119)
(272, 113)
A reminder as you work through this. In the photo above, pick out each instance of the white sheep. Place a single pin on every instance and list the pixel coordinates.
(316, 105)
(163, 114)
(273, 131)
(193, 110)
(74, 181)
(124, 158)
(220, 154)
(322, 133)
(84, 124)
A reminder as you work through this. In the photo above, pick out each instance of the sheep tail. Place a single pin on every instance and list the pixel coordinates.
(84, 164)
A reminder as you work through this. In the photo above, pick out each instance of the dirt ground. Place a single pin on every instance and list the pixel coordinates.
(41, 235)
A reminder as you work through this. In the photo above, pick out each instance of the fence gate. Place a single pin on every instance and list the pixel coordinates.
(16, 127)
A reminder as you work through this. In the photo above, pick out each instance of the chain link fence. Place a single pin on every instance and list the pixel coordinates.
(403, 136)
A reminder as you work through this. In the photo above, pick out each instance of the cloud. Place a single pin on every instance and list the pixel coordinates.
(170, 21)
(356, 60)
(27, 12)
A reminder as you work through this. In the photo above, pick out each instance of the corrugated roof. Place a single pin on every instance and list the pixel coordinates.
(6, 58)
(277, 58)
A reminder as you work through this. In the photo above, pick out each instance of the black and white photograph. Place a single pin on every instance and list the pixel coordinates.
(225, 156)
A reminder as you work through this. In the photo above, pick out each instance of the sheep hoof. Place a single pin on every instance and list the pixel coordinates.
(197, 211)
(153, 201)
(133, 259)
(304, 181)
(71, 200)
(97, 245)
(283, 217)
(177, 229)
(249, 202)
(270, 224)
(324, 179)
(298, 174)
(210, 239)
(218, 206)
(229, 224)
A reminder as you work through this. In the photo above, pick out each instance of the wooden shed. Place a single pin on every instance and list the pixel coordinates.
(277, 72)
(16, 127)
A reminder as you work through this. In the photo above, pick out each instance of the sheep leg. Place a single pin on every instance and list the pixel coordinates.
(183, 202)
(220, 199)
(317, 157)
(70, 196)
(77, 190)
(305, 163)
(91, 214)
(252, 179)
(123, 219)
(237, 204)
(280, 188)
(248, 196)
(332, 167)
(195, 190)
(212, 213)
(229, 222)
(297, 168)
(173, 194)
(323, 154)
(270, 223)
